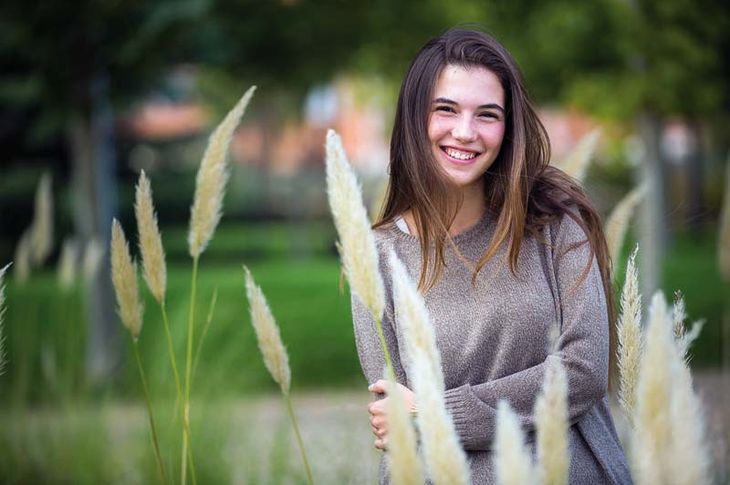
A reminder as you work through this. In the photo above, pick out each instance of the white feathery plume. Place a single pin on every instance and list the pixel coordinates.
(42, 226)
(267, 334)
(3, 357)
(404, 464)
(93, 257)
(512, 461)
(551, 421)
(124, 279)
(210, 182)
(445, 459)
(689, 453)
(577, 161)
(630, 345)
(22, 257)
(416, 321)
(723, 244)
(357, 242)
(652, 418)
(67, 266)
(618, 221)
(682, 337)
(150, 240)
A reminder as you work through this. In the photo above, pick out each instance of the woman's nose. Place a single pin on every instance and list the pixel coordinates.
(463, 130)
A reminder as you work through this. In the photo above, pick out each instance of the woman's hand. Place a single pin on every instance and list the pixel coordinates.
(378, 418)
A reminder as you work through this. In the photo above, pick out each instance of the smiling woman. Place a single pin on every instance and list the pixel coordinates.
(508, 252)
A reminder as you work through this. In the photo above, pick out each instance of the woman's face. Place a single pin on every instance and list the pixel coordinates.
(466, 123)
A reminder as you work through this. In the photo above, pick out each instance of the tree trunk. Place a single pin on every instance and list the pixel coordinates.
(92, 145)
(653, 232)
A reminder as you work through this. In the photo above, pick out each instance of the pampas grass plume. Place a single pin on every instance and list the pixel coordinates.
(413, 313)
(358, 251)
(652, 420)
(405, 467)
(42, 226)
(93, 257)
(618, 221)
(689, 452)
(267, 333)
(210, 182)
(630, 345)
(512, 461)
(22, 258)
(443, 455)
(551, 420)
(67, 266)
(150, 240)
(124, 278)
(577, 161)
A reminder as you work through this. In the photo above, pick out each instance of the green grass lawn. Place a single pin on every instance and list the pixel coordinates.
(46, 331)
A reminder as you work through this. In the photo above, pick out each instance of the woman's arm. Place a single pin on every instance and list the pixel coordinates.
(582, 348)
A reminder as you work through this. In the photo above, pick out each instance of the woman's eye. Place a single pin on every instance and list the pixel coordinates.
(489, 115)
(445, 109)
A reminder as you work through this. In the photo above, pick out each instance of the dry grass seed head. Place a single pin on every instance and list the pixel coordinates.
(405, 466)
(577, 161)
(652, 421)
(512, 462)
(358, 251)
(618, 221)
(630, 345)
(211, 179)
(124, 278)
(551, 419)
(267, 334)
(150, 240)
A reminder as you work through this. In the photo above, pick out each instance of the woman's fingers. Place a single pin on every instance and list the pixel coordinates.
(381, 444)
(378, 387)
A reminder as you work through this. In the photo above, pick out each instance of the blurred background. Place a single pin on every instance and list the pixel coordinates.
(94, 91)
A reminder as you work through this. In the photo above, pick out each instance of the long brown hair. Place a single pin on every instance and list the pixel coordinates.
(524, 192)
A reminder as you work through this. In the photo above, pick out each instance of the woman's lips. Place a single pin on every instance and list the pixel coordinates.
(459, 156)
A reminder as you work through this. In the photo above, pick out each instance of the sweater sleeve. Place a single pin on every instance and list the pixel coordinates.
(582, 348)
(369, 350)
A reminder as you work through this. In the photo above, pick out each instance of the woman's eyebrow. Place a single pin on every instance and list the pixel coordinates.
(484, 106)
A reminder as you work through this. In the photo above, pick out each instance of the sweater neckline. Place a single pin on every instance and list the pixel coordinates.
(466, 234)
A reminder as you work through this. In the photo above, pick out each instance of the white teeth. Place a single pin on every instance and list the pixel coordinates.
(459, 154)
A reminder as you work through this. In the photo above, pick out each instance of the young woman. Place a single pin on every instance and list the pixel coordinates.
(504, 247)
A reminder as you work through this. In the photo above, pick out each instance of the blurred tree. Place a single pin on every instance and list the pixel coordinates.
(75, 62)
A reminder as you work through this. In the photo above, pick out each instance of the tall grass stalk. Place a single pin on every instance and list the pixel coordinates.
(155, 275)
(274, 353)
(150, 413)
(204, 333)
(652, 419)
(577, 161)
(551, 419)
(618, 221)
(205, 213)
(124, 279)
(443, 455)
(630, 345)
(357, 242)
(512, 462)
(3, 356)
(404, 464)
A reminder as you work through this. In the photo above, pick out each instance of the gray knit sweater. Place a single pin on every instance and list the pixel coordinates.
(494, 341)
